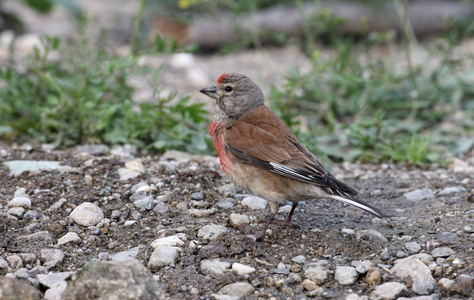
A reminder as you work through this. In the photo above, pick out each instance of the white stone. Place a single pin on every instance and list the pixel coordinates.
(211, 232)
(254, 202)
(389, 290)
(20, 192)
(201, 213)
(239, 221)
(162, 257)
(70, 237)
(346, 275)
(136, 166)
(87, 214)
(446, 283)
(172, 240)
(299, 259)
(21, 201)
(16, 211)
(242, 269)
(413, 247)
(318, 274)
(214, 267)
(126, 174)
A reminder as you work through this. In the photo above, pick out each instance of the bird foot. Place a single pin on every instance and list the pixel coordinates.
(286, 223)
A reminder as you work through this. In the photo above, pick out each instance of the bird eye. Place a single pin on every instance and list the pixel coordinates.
(228, 88)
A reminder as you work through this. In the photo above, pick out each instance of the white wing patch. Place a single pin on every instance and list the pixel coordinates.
(291, 173)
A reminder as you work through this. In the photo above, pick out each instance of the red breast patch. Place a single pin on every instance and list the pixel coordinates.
(219, 80)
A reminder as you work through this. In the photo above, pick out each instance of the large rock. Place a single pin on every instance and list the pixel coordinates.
(411, 269)
(14, 289)
(126, 280)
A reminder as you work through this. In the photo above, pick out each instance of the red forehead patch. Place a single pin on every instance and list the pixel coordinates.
(219, 80)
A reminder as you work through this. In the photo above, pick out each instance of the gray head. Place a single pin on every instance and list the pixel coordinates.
(235, 95)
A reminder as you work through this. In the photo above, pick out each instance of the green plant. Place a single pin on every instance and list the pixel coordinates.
(86, 98)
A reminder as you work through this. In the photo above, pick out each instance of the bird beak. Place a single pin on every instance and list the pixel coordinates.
(210, 91)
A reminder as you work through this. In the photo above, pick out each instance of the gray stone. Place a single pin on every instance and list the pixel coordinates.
(411, 269)
(254, 202)
(214, 267)
(93, 149)
(70, 237)
(55, 292)
(87, 214)
(52, 279)
(36, 237)
(27, 258)
(442, 252)
(110, 280)
(448, 238)
(362, 267)
(430, 297)
(32, 214)
(21, 201)
(162, 257)
(197, 196)
(299, 259)
(161, 208)
(389, 290)
(138, 196)
(423, 286)
(346, 275)
(419, 194)
(3, 266)
(125, 255)
(14, 289)
(318, 274)
(238, 289)
(371, 236)
(23, 273)
(15, 261)
(225, 205)
(212, 232)
(452, 191)
(413, 247)
(201, 213)
(55, 256)
(146, 203)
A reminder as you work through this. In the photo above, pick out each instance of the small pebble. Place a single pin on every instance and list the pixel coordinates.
(241, 269)
(162, 257)
(239, 221)
(346, 275)
(70, 237)
(87, 214)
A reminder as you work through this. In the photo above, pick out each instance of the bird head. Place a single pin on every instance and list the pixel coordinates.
(234, 94)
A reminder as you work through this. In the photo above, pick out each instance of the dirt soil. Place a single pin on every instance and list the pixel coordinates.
(321, 236)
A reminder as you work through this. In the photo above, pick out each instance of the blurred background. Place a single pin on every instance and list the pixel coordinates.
(371, 81)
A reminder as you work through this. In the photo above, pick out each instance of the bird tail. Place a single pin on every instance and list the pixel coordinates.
(360, 204)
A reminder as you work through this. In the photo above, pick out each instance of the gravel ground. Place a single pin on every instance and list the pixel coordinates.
(137, 226)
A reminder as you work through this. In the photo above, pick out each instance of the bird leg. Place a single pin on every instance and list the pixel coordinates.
(261, 237)
(287, 222)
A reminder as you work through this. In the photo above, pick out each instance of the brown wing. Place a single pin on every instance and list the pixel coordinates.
(260, 138)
